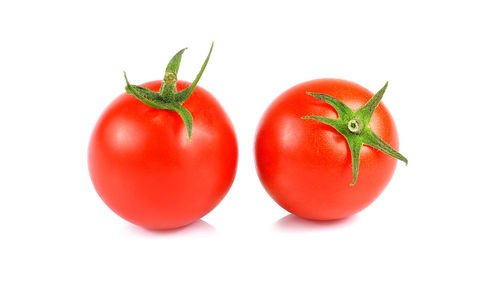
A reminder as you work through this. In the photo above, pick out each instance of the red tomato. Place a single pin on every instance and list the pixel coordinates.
(145, 169)
(306, 165)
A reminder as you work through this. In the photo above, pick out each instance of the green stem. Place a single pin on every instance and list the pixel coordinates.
(354, 126)
(168, 86)
(168, 98)
(183, 95)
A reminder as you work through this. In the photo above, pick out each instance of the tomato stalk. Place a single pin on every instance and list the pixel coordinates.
(354, 126)
(168, 97)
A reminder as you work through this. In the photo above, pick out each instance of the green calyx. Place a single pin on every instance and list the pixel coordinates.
(354, 126)
(168, 98)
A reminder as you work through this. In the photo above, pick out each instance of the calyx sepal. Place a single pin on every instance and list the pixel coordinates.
(354, 126)
(168, 98)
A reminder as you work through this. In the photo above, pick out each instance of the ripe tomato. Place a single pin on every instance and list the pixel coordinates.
(145, 169)
(145, 166)
(306, 165)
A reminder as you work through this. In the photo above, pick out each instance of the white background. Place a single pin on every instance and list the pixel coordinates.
(435, 228)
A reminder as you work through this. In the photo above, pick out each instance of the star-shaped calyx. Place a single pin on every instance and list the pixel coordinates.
(354, 126)
(168, 98)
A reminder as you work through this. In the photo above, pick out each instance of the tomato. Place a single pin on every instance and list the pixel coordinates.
(145, 169)
(306, 165)
(150, 172)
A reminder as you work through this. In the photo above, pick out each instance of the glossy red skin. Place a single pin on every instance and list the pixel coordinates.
(145, 169)
(306, 166)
